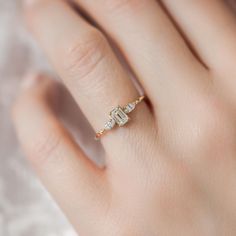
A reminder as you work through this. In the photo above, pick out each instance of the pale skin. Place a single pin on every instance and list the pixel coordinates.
(172, 170)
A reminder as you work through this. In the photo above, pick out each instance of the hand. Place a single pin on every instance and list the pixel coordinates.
(172, 169)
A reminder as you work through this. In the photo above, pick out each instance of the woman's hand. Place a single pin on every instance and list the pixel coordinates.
(172, 169)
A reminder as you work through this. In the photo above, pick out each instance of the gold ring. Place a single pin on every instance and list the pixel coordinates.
(119, 116)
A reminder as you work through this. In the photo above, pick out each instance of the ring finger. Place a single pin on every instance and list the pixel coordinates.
(86, 63)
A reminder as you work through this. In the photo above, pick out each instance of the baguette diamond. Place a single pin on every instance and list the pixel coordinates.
(128, 108)
(110, 124)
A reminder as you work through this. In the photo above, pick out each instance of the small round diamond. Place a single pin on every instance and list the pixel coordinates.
(110, 124)
(128, 108)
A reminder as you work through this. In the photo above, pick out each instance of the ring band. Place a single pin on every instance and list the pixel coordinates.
(119, 116)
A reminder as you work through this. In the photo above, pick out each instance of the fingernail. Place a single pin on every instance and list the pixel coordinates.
(30, 81)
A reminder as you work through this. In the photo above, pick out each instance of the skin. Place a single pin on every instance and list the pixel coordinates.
(172, 170)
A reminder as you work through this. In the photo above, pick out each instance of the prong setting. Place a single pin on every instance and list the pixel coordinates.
(119, 116)
(110, 124)
(129, 107)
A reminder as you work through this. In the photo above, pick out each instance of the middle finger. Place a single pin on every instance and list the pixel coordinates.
(154, 48)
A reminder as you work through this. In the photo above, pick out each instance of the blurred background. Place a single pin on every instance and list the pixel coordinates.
(26, 209)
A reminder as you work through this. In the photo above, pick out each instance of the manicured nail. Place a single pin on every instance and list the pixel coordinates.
(30, 81)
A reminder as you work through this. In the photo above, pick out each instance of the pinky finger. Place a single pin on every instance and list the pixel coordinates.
(73, 180)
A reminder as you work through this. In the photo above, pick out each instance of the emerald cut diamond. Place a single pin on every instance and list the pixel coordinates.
(119, 116)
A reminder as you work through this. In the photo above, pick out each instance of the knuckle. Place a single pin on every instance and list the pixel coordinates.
(85, 54)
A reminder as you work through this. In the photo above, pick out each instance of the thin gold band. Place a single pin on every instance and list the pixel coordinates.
(118, 116)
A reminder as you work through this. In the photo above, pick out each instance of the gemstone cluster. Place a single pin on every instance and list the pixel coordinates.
(119, 116)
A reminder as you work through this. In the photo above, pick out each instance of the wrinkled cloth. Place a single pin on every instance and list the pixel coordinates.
(26, 209)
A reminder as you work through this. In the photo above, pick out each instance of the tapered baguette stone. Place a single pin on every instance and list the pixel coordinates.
(128, 108)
